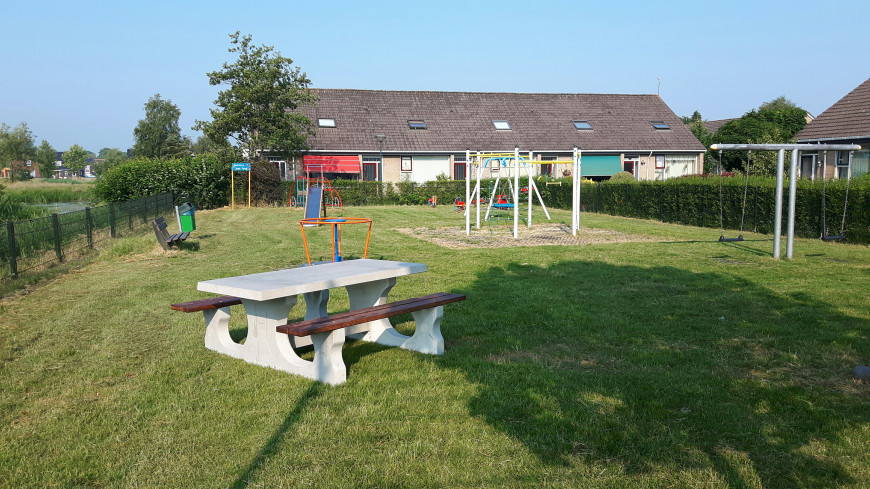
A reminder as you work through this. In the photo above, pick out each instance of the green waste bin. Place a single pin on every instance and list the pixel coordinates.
(186, 219)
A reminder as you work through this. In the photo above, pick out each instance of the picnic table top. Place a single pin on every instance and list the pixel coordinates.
(293, 281)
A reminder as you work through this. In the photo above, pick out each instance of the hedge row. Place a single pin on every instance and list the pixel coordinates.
(202, 180)
(695, 201)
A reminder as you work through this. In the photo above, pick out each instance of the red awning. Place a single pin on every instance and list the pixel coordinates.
(330, 164)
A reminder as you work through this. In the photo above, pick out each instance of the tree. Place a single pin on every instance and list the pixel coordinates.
(107, 158)
(75, 158)
(696, 125)
(259, 109)
(158, 134)
(46, 156)
(776, 121)
(16, 147)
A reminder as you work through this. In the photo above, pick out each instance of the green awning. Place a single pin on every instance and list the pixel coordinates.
(599, 166)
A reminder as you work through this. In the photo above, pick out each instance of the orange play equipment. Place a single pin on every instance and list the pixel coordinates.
(336, 223)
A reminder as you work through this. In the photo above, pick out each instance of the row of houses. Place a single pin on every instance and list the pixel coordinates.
(384, 135)
(419, 136)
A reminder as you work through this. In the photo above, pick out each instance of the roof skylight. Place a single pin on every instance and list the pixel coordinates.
(501, 125)
(326, 122)
(582, 125)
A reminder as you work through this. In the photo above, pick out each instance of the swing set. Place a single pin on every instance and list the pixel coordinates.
(739, 237)
(792, 188)
(505, 192)
(825, 236)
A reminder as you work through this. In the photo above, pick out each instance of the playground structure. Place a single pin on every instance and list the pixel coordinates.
(792, 187)
(336, 223)
(299, 198)
(479, 162)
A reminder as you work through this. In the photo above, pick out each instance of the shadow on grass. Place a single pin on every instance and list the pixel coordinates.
(659, 368)
(273, 445)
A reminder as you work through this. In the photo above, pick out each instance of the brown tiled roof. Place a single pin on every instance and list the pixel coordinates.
(714, 126)
(457, 121)
(848, 118)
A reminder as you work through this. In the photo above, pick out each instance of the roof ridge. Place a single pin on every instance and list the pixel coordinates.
(484, 93)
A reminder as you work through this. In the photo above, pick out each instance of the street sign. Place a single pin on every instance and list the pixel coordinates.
(241, 167)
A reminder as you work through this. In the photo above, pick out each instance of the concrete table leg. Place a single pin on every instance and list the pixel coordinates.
(367, 295)
(268, 347)
(315, 307)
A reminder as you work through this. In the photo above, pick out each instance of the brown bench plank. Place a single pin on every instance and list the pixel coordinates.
(359, 316)
(210, 303)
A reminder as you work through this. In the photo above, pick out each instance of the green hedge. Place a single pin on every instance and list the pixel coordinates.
(696, 202)
(201, 180)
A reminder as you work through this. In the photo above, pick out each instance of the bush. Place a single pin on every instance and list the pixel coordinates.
(622, 177)
(202, 180)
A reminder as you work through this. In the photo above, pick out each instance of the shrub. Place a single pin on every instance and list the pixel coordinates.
(622, 177)
(201, 180)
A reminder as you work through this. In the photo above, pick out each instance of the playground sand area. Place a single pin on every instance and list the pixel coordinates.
(454, 237)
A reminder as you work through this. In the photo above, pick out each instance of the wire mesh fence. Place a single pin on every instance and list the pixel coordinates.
(33, 244)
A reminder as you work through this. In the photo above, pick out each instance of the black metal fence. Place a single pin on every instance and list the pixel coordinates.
(35, 243)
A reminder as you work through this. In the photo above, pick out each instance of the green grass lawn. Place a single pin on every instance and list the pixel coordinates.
(676, 362)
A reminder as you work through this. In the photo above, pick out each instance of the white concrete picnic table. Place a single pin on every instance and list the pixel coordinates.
(268, 297)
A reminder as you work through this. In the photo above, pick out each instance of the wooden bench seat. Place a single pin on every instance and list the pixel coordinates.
(359, 316)
(163, 237)
(205, 304)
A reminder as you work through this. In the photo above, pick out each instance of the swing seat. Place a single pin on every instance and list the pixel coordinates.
(723, 239)
(833, 238)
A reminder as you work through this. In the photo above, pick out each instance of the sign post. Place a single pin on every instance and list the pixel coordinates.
(245, 167)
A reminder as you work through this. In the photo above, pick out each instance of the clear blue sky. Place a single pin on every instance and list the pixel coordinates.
(80, 72)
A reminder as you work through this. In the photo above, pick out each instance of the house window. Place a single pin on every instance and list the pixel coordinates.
(860, 163)
(326, 122)
(660, 162)
(406, 163)
(502, 125)
(843, 164)
(582, 125)
(547, 169)
(459, 166)
(370, 168)
(660, 126)
(416, 124)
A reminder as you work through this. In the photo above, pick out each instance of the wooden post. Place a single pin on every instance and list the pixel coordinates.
(55, 226)
(10, 237)
(111, 219)
(89, 227)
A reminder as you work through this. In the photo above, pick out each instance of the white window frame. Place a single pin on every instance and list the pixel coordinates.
(326, 122)
(582, 125)
(501, 125)
(843, 166)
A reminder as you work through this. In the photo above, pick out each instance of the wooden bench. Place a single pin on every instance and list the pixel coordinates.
(216, 311)
(427, 328)
(206, 304)
(163, 237)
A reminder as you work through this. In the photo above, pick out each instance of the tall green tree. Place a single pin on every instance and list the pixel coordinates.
(776, 121)
(158, 134)
(46, 156)
(75, 158)
(259, 109)
(107, 158)
(16, 147)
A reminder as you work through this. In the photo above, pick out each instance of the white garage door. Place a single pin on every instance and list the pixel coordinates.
(426, 168)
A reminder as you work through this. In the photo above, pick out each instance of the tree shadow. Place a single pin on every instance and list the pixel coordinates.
(658, 367)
